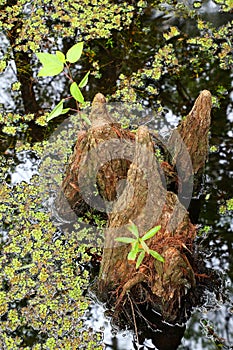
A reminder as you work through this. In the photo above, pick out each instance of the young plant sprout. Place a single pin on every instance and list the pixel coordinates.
(54, 64)
(139, 248)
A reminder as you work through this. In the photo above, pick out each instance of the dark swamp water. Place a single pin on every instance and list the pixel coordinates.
(211, 323)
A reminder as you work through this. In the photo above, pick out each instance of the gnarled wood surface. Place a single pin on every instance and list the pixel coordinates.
(142, 198)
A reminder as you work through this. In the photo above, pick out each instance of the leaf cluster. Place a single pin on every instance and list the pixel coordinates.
(54, 64)
(138, 245)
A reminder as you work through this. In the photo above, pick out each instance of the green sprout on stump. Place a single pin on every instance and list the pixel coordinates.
(139, 247)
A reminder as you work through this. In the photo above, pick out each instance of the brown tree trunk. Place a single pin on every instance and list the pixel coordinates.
(144, 199)
(23, 65)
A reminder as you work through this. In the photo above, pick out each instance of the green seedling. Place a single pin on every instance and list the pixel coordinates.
(139, 248)
(54, 64)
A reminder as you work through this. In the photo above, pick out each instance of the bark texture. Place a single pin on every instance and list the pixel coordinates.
(131, 185)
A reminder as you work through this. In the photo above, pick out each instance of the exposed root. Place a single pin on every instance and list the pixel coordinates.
(139, 277)
(134, 318)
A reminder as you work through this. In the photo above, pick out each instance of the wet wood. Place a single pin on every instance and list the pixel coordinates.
(143, 199)
(94, 166)
(193, 131)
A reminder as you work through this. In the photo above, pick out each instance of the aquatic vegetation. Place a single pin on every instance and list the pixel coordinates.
(166, 63)
(228, 206)
(60, 19)
(43, 279)
(42, 272)
(42, 276)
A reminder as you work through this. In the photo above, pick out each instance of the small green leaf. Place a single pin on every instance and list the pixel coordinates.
(145, 246)
(139, 259)
(76, 92)
(173, 32)
(132, 255)
(156, 255)
(197, 4)
(134, 251)
(65, 110)
(61, 56)
(125, 239)
(133, 228)
(84, 80)
(151, 233)
(135, 246)
(56, 111)
(74, 53)
(51, 64)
